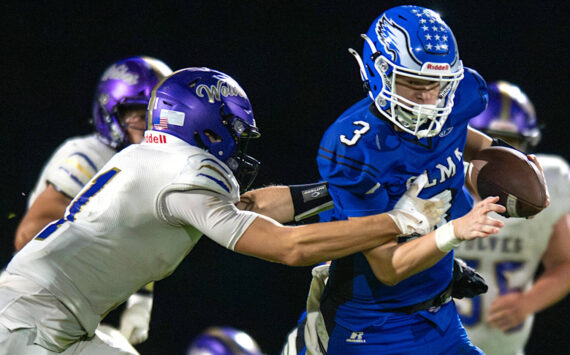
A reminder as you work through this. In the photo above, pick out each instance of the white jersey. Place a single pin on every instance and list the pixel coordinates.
(508, 262)
(72, 165)
(122, 231)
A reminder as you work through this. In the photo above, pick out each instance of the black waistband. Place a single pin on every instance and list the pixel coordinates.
(441, 299)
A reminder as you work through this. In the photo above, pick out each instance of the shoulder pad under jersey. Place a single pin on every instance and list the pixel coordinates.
(85, 157)
(346, 150)
(471, 97)
(204, 172)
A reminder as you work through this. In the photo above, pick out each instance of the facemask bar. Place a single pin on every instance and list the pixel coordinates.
(408, 115)
(244, 167)
(116, 130)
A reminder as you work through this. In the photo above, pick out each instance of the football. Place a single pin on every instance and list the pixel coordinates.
(507, 173)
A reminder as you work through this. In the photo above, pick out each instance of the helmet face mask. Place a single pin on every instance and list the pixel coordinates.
(208, 109)
(124, 85)
(510, 115)
(414, 43)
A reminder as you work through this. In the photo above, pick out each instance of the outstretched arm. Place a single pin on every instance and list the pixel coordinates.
(288, 203)
(256, 235)
(314, 243)
(393, 262)
(50, 205)
(272, 201)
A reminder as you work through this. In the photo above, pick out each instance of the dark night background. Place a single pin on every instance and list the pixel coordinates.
(291, 58)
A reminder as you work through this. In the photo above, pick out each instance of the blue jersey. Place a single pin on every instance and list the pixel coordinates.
(369, 165)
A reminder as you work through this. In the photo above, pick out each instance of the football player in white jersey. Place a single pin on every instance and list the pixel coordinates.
(119, 108)
(137, 219)
(500, 321)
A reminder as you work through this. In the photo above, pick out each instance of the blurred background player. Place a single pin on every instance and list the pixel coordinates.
(223, 341)
(500, 321)
(119, 108)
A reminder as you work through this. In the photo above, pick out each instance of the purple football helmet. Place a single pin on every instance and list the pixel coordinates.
(128, 82)
(412, 42)
(223, 341)
(208, 109)
(509, 115)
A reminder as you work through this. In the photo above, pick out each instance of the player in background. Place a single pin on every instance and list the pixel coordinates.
(141, 215)
(415, 121)
(119, 108)
(223, 341)
(500, 321)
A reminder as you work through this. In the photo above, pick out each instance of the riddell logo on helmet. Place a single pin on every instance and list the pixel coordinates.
(151, 138)
(437, 66)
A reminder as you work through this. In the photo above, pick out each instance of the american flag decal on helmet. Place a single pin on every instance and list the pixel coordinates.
(163, 124)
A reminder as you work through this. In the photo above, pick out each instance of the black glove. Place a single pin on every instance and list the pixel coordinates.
(466, 281)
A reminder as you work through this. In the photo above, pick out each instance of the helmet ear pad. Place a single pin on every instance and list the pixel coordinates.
(217, 144)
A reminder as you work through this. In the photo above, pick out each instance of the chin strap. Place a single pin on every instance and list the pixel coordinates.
(363, 75)
(245, 169)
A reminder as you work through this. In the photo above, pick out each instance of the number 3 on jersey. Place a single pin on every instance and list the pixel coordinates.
(78, 202)
(357, 133)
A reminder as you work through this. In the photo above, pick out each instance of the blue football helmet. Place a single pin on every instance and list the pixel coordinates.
(413, 42)
(207, 109)
(126, 83)
(510, 115)
(223, 341)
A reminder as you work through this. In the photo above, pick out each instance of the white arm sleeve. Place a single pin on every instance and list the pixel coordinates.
(212, 214)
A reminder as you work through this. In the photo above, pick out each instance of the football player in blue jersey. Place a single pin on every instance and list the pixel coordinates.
(414, 122)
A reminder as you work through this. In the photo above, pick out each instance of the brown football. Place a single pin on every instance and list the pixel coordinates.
(507, 173)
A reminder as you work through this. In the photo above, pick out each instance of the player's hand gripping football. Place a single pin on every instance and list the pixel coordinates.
(135, 319)
(533, 159)
(415, 215)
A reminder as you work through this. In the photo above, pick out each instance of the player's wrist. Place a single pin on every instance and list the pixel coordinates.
(310, 199)
(445, 238)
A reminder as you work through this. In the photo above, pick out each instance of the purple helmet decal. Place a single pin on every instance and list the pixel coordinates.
(509, 113)
(127, 82)
(223, 341)
(208, 109)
